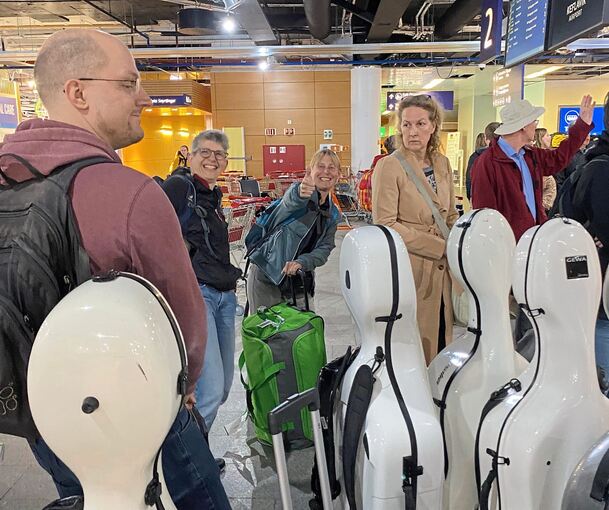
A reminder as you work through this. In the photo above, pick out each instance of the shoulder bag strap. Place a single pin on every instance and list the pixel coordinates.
(421, 189)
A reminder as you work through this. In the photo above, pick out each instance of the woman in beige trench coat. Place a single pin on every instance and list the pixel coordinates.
(397, 203)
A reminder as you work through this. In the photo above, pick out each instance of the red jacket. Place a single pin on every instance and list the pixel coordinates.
(497, 181)
(125, 220)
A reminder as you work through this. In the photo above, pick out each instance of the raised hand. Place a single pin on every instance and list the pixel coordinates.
(307, 185)
(586, 109)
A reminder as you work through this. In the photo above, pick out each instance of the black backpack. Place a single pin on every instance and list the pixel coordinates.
(41, 260)
(571, 198)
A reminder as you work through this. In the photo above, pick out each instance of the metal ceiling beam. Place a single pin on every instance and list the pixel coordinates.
(386, 19)
(353, 9)
(310, 50)
(295, 50)
(250, 16)
(116, 18)
(242, 52)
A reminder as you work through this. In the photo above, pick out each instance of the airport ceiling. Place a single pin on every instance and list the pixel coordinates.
(164, 30)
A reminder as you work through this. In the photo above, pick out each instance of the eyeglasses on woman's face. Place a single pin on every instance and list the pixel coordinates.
(219, 155)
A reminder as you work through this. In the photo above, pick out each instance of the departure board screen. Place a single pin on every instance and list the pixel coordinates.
(526, 30)
(571, 19)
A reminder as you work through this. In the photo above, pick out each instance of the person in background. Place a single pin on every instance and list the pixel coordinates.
(595, 206)
(389, 144)
(180, 161)
(508, 176)
(308, 238)
(480, 142)
(489, 134)
(543, 140)
(90, 86)
(397, 203)
(197, 201)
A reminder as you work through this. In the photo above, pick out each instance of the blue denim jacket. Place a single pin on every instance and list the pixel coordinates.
(284, 243)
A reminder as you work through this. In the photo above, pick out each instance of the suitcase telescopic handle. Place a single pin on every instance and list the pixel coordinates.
(296, 402)
(300, 273)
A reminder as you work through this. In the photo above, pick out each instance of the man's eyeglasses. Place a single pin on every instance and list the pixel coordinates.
(131, 85)
(207, 153)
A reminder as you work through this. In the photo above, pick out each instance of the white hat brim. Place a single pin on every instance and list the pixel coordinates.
(512, 127)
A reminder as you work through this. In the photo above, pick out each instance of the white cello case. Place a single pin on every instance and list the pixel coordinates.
(366, 276)
(540, 432)
(117, 341)
(462, 376)
(577, 494)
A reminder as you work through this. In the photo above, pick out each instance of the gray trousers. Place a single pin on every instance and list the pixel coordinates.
(262, 292)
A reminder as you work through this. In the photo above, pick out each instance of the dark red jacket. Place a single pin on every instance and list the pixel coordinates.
(497, 181)
(125, 220)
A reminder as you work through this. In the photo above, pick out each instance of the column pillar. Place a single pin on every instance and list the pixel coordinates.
(365, 116)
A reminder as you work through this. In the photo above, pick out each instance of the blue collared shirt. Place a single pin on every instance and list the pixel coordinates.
(527, 180)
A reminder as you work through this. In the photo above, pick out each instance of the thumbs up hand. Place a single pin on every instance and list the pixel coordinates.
(307, 185)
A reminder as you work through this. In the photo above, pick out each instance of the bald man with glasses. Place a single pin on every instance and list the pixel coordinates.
(90, 86)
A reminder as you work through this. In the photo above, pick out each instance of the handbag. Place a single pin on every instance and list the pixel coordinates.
(459, 300)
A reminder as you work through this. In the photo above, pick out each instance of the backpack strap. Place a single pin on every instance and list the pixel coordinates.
(190, 201)
(355, 416)
(192, 206)
(63, 177)
(33, 171)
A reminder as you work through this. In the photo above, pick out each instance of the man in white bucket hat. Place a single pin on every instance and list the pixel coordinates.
(508, 176)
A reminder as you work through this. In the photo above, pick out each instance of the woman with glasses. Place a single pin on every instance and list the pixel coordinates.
(398, 203)
(197, 201)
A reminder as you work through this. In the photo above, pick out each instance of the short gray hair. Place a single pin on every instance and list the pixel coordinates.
(213, 135)
(71, 54)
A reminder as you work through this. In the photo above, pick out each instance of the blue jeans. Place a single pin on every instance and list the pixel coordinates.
(216, 377)
(601, 345)
(191, 473)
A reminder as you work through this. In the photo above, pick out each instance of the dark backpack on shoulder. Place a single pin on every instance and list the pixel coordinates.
(41, 260)
(571, 198)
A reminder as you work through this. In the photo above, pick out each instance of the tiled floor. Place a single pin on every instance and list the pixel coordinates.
(250, 479)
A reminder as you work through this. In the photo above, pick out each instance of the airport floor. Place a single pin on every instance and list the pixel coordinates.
(250, 478)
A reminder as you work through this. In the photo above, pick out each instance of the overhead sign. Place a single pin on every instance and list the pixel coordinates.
(571, 19)
(9, 113)
(508, 85)
(567, 115)
(526, 33)
(181, 100)
(490, 35)
(446, 98)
